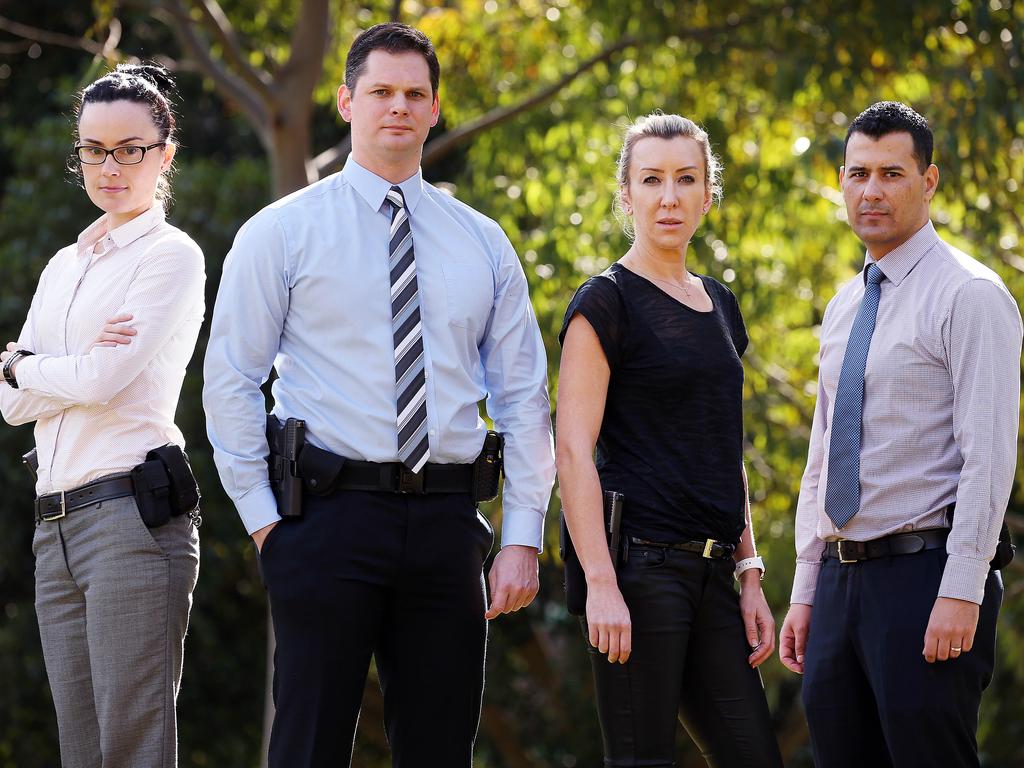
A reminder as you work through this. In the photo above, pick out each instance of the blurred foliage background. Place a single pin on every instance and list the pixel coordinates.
(534, 94)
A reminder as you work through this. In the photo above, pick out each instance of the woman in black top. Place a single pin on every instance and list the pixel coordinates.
(651, 376)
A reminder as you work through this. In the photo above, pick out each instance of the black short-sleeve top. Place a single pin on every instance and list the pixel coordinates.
(671, 438)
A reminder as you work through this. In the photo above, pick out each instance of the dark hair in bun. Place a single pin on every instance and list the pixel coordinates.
(147, 83)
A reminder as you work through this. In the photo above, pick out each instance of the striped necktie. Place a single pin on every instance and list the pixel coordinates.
(410, 379)
(842, 487)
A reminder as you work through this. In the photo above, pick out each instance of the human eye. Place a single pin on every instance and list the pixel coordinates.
(128, 152)
(650, 180)
(379, 92)
(687, 178)
(91, 153)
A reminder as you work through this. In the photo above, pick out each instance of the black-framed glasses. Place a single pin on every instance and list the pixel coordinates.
(129, 154)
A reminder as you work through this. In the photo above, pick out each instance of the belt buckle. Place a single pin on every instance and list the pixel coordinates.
(842, 559)
(707, 548)
(49, 518)
(409, 481)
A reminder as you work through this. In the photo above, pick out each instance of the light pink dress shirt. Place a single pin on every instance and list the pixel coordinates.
(941, 402)
(98, 410)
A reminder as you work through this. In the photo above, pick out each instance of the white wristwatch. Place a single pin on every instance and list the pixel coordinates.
(746, 564)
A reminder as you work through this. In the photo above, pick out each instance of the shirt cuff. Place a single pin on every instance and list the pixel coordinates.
(964, 579)
(26, 372)
(257, 508)
(523, 527)
(805, 582)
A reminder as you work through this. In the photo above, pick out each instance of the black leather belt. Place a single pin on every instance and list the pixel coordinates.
(846, 551)
(54, 506)
(321, 474)
(709, 548)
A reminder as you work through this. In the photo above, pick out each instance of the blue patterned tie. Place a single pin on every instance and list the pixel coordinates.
(842, 487)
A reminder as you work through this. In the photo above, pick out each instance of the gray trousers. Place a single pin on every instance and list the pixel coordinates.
(112, 600)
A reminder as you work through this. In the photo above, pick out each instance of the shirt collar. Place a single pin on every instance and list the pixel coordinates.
(374, 189)
(901, 260)
(121, 236)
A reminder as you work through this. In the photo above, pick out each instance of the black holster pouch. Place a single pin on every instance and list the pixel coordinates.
(1005, 549)
(31, 462)
(575, 578)
(488, 467)
(286, 442)
(165, 486)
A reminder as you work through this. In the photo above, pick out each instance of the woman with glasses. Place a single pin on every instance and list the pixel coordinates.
(98, 367)
(651, 376)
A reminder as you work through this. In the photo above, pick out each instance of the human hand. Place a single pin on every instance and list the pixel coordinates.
(793, 638)
(259, 536)
(115, 332)
(513, 579)
(608, 622)
(950, 629)
(12, 347)
(757, 617)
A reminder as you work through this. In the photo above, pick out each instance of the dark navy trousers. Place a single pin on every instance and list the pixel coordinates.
(389, 576)
(871, 698)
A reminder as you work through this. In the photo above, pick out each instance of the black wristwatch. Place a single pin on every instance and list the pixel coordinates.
(9, 364)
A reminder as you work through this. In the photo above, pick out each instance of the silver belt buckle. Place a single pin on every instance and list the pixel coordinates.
(839, 548)
(49, 518)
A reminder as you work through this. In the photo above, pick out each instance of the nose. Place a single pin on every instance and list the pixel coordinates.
(873, 188)
(669, 198)
(399, 106)
(110, 166)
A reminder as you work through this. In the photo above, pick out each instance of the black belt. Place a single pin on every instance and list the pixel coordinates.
(709, 548)
(54, 506)
(394, 477)
(847, 551)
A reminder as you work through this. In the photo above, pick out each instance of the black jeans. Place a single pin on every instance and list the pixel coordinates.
(870, 696)
(395, 577)
(689, 661)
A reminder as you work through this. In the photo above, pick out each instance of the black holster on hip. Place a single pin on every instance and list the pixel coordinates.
(286, 442)
(165, 486)
(31, 462)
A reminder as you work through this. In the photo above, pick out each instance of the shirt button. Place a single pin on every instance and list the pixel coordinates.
(433, 432)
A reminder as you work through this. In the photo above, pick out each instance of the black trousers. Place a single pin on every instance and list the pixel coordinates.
(395, 577)
(870, 697)
(689, 661)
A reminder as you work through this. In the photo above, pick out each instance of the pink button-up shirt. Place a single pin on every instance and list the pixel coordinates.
(941, 398)
(98, 410)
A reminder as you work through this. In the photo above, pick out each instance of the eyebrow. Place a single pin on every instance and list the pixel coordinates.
(421, 87)
(891, 167)
(122, 141)
(684, 168)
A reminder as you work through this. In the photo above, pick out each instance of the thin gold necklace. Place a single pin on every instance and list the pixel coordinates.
(684, 288)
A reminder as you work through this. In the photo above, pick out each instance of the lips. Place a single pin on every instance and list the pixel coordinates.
(669, 222)
(112, 190)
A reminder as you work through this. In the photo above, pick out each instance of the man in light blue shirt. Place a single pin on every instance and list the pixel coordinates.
(389, 310)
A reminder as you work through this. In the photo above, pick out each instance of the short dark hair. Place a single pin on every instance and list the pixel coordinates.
(393, 38)
(887, 117)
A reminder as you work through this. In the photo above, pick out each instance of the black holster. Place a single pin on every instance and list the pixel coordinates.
(488, 467)
(165, 486)
(575, 578)
(31, 462)
(286, 442)
(1005, 548)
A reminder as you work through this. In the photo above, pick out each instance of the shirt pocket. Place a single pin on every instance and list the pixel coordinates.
(469, 289)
